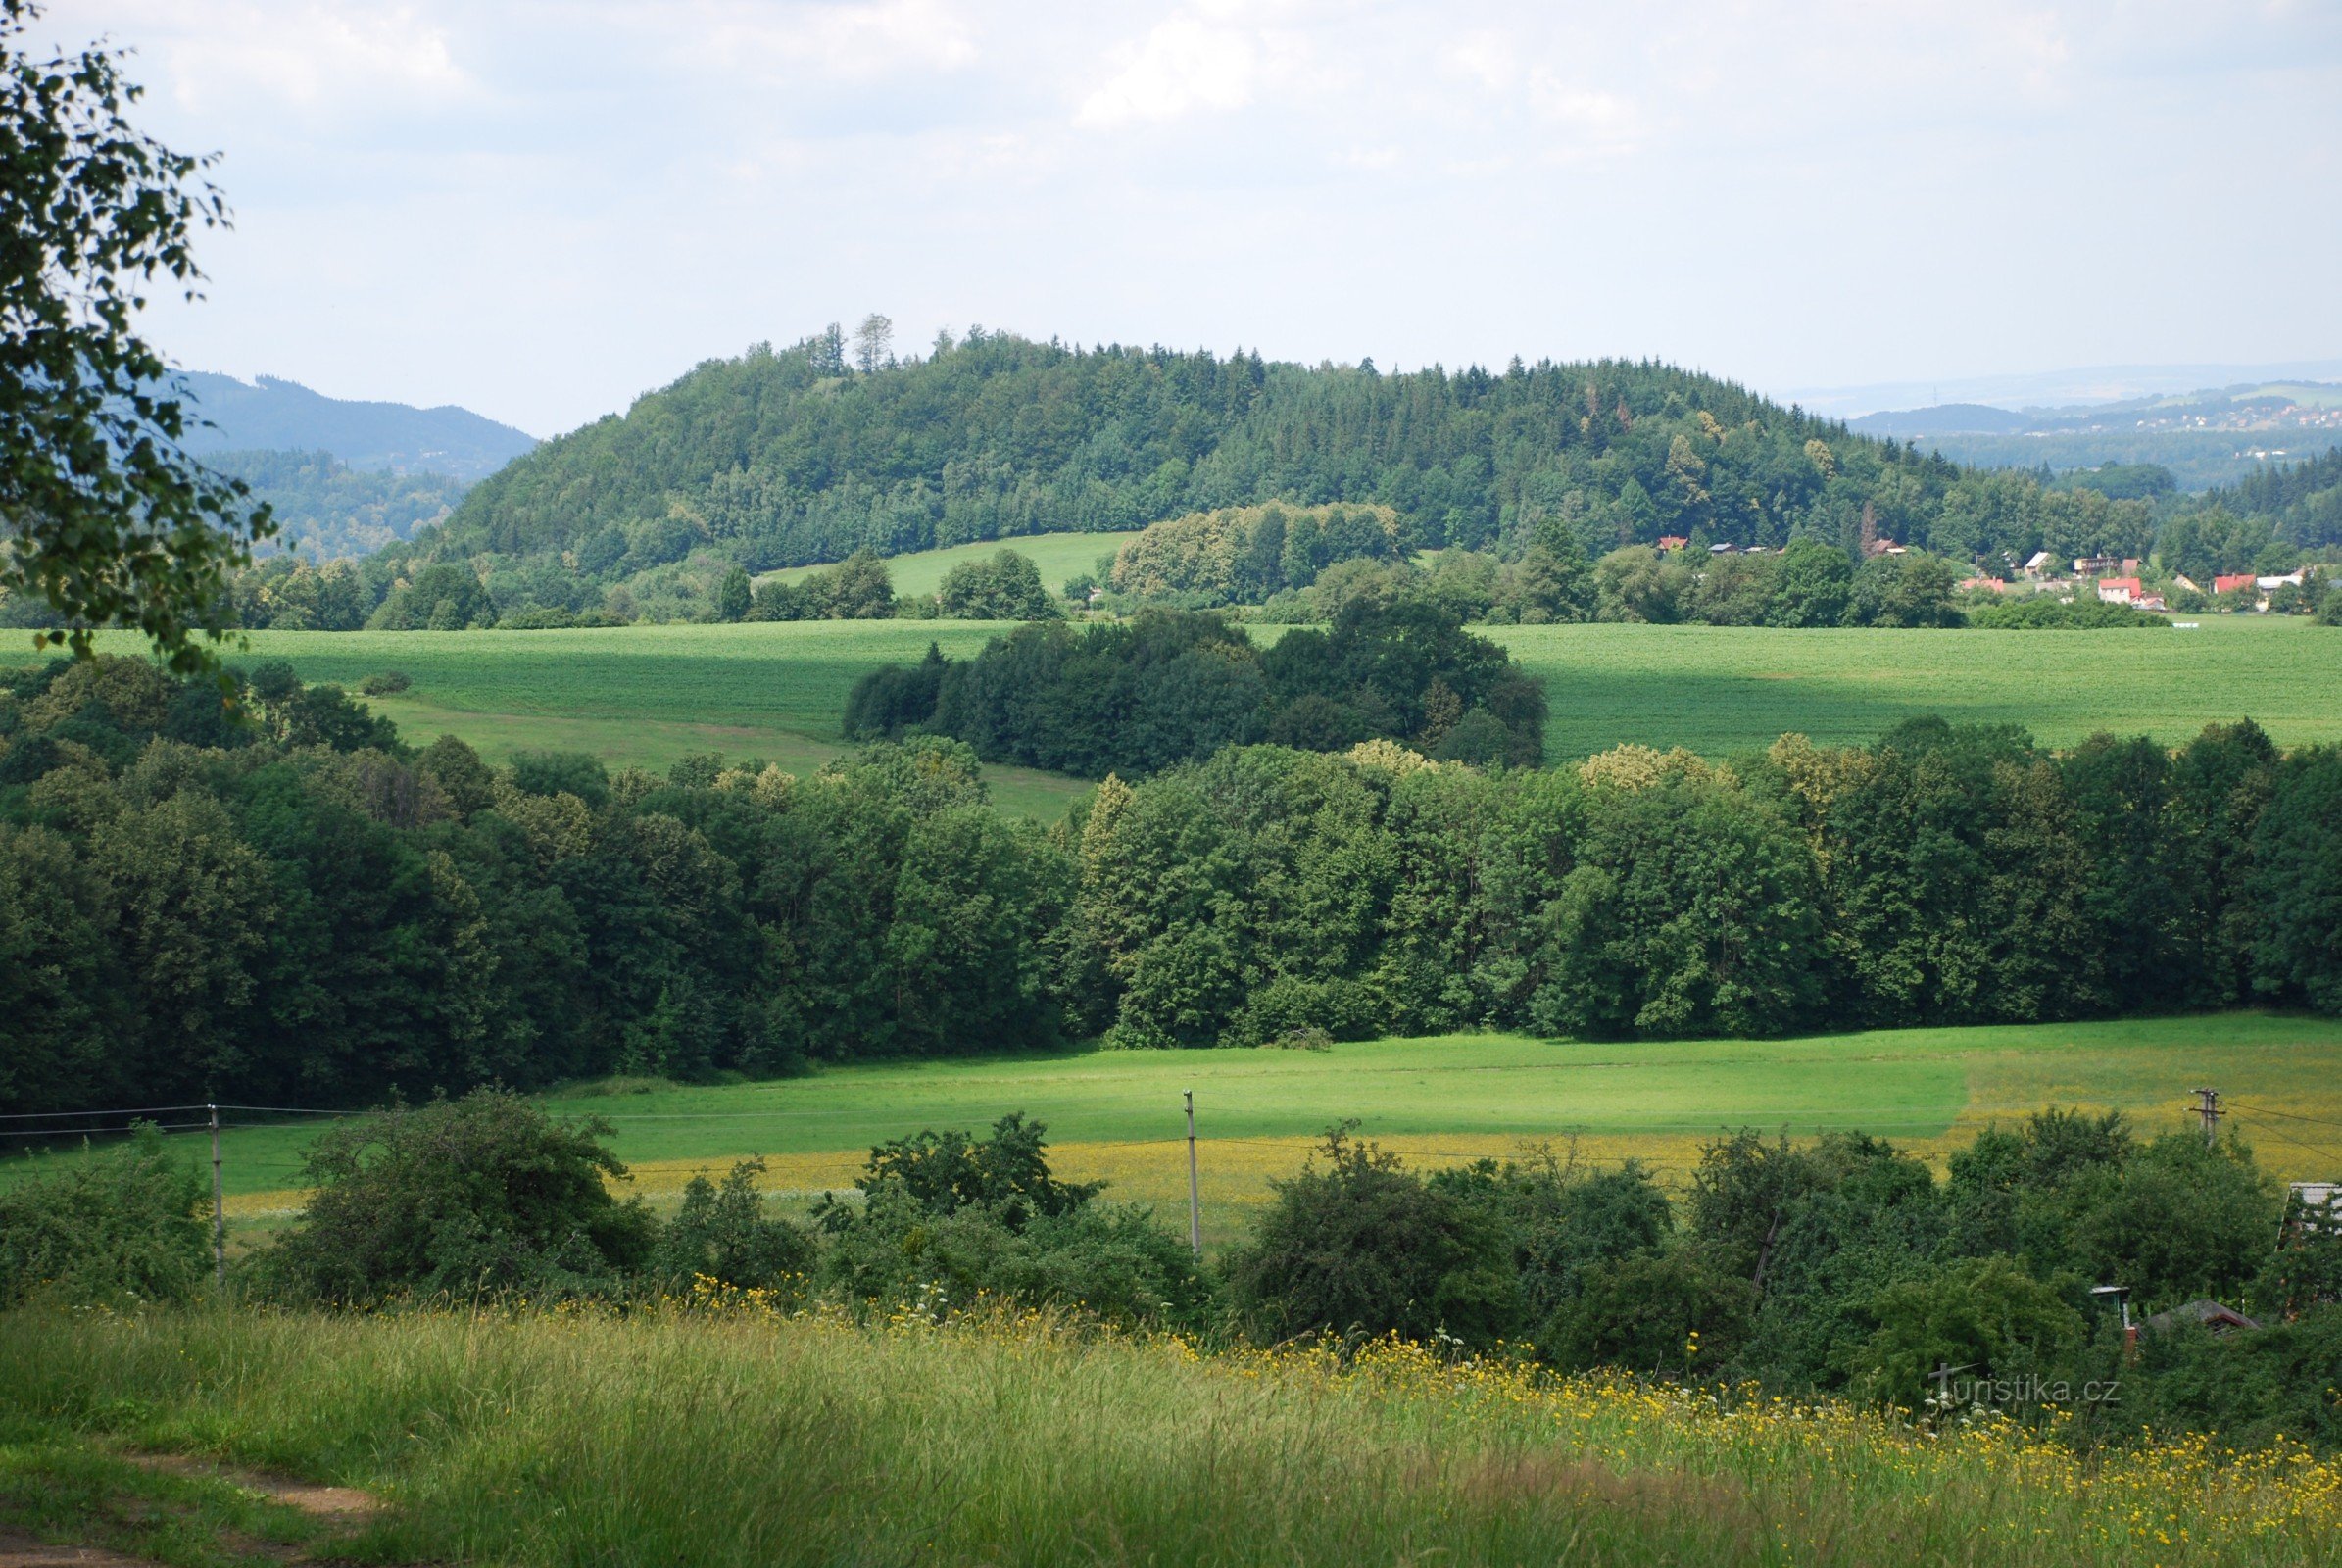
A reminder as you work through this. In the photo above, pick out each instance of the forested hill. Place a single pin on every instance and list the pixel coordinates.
(783, 458)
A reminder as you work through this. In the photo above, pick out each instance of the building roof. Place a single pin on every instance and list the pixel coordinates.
(2229, 582)
(2131, 584)
(2220, 1319)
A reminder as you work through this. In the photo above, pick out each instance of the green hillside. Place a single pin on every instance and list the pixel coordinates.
(1058, 556)
(786, 458)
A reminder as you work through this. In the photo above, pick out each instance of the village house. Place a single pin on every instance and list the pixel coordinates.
(2121, 590)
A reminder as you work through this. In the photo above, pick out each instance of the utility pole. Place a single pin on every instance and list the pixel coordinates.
(218, 1210)
(2208, 1107)
(1194, 1194)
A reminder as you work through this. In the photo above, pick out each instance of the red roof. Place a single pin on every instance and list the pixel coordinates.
(2132, 583)
(2228, 583)
(1672, 541)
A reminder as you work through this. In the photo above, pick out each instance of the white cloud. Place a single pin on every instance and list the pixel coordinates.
(321, 57)
(1185, 65)
(853, 42)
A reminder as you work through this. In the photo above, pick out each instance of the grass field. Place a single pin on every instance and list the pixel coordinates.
(719, 1439)
(1116, 1115)
(647, 695)
(1058, 556)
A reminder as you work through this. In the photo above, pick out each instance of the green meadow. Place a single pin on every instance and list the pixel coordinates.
(1119, 1115)
(647, 695)
(1058, 556)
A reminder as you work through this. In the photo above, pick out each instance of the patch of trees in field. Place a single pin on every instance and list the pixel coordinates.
(1169, 686)
(302, 910)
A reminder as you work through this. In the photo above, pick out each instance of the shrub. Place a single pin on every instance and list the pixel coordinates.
(1654, 1313)
(723, 1234)
(122, 1225)
(1364, 1247)
(388, 683)
(1985, 1317)
(468, 1197)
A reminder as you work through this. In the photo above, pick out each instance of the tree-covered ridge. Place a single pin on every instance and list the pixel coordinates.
(328, 511)
(304, 911)
(2302, 502)
(781, 457)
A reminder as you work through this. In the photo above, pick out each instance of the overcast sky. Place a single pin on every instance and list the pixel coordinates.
(539, 209)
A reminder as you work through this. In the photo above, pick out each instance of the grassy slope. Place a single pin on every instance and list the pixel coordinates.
(1059, 555)
(748, 1439)
(1116, 1114)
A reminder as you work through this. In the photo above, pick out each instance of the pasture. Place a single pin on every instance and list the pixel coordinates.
(1057, 556)
(647, 695)
(1116, 1115)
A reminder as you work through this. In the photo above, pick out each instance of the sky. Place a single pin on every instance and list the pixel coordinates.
(541, 209)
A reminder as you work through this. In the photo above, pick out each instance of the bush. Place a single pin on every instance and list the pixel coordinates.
(468, 1197)
(1363, 1247)
(723, 1234)
(2045, 613)
(118, 1226)
(1985, 1317)
(388, 683)
(1654, 1313)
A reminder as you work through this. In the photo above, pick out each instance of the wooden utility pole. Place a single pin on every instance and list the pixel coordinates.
(1194, 1194)
(2208, 1107)
(218, 1210)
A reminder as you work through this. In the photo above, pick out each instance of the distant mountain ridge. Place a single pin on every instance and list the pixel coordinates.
(2207, 436)
(274, 414)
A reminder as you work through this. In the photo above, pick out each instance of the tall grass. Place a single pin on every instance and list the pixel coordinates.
(751, 1438)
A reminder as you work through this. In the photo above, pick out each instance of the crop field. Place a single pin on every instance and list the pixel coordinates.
(1058, 556)
(1116, 1115)
(646, 695)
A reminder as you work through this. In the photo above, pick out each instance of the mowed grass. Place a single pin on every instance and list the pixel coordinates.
(1717, 690)
(1058, 557)
(752, 1438)
(1117, 1116)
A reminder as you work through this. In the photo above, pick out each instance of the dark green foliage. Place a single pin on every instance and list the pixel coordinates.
(780, 459)
(474, 1197)
(1007, 1173)
(111, 1230)
(948, 1219)
(893, 699)
(446, 596)
(389, 683)
(859, 588)
(1984, 1317)
(1657, 1312)
(2296, 883)
(2298, 502)
(109, 521)
(2281, 1381)
(732, 596)
(1691, 910)
(2043, 613)
(1363, 1247)
(1134, 698)
(722, 1234)
(1008, 587)
(561, 773)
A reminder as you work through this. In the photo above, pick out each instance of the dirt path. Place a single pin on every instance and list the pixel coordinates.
(342, 1505)
(18, 1550)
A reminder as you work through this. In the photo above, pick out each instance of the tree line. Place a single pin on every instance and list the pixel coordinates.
(295, 907)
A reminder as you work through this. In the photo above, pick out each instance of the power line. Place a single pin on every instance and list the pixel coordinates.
(2262, 1111)
(136, 1110)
